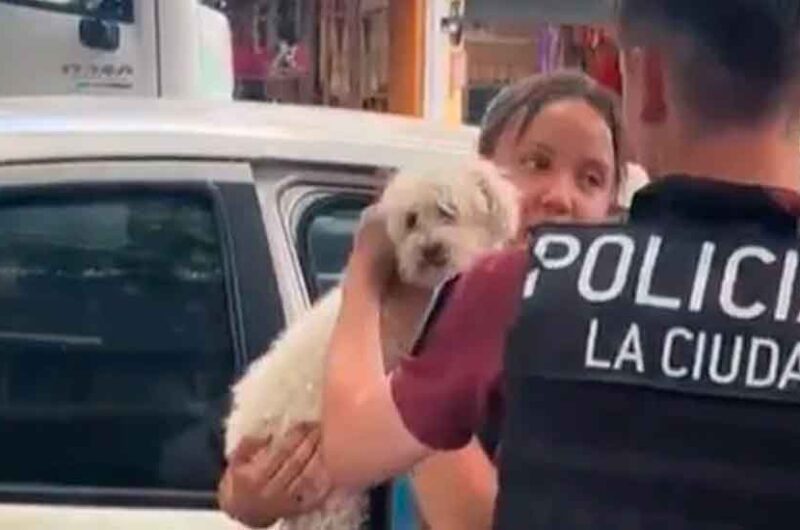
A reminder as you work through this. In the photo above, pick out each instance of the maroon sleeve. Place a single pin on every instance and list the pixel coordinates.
(442, 391)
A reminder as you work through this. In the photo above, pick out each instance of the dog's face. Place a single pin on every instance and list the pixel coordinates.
(441, 220)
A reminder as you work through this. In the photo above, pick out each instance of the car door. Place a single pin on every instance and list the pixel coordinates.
(132, 294)
(312, 212)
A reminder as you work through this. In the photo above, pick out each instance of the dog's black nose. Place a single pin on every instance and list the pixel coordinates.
(434, 253)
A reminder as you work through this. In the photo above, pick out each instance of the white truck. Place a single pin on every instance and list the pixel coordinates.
(144, 48)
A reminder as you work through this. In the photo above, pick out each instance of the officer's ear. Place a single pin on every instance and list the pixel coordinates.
(654, 102)
(644, 89)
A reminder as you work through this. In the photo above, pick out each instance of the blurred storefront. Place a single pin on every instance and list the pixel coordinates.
(274, 49)
(350, 53)
(510, 39)
(442, 59)
(371, 54)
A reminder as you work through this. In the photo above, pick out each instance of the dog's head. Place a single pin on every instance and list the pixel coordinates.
(441, 220)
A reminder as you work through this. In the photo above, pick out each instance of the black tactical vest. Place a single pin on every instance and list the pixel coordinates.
(653, 381)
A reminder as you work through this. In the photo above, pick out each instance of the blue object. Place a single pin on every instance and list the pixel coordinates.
(404, 507)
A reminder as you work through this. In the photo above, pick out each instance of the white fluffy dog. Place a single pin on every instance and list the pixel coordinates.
(439, 221)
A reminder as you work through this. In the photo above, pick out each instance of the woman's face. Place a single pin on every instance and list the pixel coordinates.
(563, 164)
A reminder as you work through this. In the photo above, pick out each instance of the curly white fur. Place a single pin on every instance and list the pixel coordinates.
(461, 212)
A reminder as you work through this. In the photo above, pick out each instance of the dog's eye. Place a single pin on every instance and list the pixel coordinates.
(411, 220)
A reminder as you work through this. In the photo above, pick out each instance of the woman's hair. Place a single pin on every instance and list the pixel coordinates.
(528, 97)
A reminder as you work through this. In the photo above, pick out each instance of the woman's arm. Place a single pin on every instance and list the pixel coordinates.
(456, 490)
(375, 427)
(364, 437)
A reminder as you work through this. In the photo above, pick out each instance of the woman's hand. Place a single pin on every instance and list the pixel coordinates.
(270, 480)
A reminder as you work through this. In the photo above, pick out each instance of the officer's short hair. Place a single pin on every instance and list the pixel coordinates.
(735, 60)
(527, 98)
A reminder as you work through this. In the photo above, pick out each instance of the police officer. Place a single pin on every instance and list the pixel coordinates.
(651, 371)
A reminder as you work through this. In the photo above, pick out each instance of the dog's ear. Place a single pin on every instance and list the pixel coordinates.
(396, 184)
(500, 197)
(386, 176)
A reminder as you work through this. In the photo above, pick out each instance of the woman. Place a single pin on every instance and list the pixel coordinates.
(456, 490)
(558, 139)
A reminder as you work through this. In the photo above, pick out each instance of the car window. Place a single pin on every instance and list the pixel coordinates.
(115, 345)
(325, 237)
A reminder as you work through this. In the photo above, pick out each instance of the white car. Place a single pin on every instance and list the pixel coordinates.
(148, 251)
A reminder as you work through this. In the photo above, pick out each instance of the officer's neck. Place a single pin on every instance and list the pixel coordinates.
(765, 157)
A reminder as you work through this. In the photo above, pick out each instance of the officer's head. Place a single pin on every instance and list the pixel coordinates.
(557, 137)
(695, 69)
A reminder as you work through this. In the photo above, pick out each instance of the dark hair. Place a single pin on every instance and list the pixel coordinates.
(734, 59)
(528, 97)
